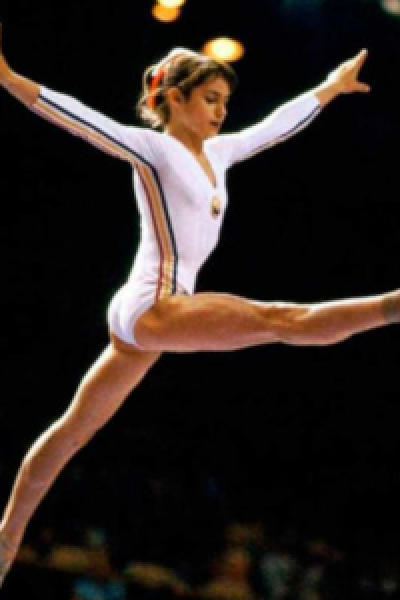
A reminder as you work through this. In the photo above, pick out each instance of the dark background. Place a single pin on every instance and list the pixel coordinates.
(299, 438)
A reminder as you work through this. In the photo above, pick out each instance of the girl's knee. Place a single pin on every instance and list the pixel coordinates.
(303, 324)
(289, 322)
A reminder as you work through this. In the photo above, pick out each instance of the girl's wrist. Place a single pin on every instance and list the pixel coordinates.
(327, 91)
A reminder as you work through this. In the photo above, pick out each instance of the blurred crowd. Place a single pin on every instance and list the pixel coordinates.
(248, 564)
(184, 529)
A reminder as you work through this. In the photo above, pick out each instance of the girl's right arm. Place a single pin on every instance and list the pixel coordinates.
(127, 143)
(291, 117)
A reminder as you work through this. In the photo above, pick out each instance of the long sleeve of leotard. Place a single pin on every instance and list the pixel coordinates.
(124, 142)
(284, 122)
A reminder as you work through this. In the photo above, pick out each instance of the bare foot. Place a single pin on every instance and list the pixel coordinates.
(391, 307)
(7, 555)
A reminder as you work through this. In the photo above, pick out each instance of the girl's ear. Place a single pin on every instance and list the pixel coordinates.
(174, 97)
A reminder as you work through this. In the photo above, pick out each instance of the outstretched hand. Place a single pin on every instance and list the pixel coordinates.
(23, 89)
(345, 76)
(4, 68)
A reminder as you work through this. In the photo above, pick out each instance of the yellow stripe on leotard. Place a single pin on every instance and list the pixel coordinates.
(164, 235)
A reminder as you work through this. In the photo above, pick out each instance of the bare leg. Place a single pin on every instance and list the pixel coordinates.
(223, 322)
(100, 394)
(180, 324)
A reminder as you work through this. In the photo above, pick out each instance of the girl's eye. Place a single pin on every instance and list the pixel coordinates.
(212, 100)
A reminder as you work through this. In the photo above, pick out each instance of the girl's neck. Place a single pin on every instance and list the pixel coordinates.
(188, 138)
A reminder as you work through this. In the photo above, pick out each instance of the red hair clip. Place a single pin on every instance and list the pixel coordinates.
(154, 85)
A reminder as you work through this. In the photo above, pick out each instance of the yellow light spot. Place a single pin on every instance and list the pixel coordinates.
(392, 6)
(164, 14)
(225, 49)
(171, 3)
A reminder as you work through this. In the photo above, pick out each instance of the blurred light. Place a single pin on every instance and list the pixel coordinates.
(171, 3)
(164, 14)
(392, 6)
(224, 49)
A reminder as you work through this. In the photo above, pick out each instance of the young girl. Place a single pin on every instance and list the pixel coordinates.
(179, 180)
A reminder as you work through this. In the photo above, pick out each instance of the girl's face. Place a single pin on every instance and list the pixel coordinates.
(205, 110)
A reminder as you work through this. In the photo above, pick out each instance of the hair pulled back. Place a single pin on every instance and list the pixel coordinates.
(181, 68)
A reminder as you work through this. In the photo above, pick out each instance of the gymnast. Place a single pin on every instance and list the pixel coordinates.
(179, 165)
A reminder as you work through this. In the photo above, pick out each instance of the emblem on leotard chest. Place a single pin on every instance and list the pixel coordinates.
(215, 207)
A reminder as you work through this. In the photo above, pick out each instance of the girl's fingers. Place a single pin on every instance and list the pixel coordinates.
(355, 67)
(360, 59)
(362, 55)
(363, 87)
(355, 64)
(357, 86)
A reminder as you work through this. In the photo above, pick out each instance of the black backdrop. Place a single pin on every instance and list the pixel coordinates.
(302, 437)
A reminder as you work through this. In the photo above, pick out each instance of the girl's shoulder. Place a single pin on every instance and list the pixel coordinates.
(147, 143)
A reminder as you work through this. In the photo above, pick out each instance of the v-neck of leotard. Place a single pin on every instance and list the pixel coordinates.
(199, 166)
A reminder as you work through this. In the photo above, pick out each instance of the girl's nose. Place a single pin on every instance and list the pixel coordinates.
(221, 111)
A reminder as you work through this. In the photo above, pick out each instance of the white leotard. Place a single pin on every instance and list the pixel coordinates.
(174, 195)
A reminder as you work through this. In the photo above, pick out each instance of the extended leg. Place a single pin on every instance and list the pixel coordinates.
(100, 394)
(224, 322)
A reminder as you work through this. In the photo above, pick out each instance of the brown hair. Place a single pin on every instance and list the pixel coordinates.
(181, 68)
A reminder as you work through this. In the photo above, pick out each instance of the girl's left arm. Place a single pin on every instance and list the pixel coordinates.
(292, 117)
